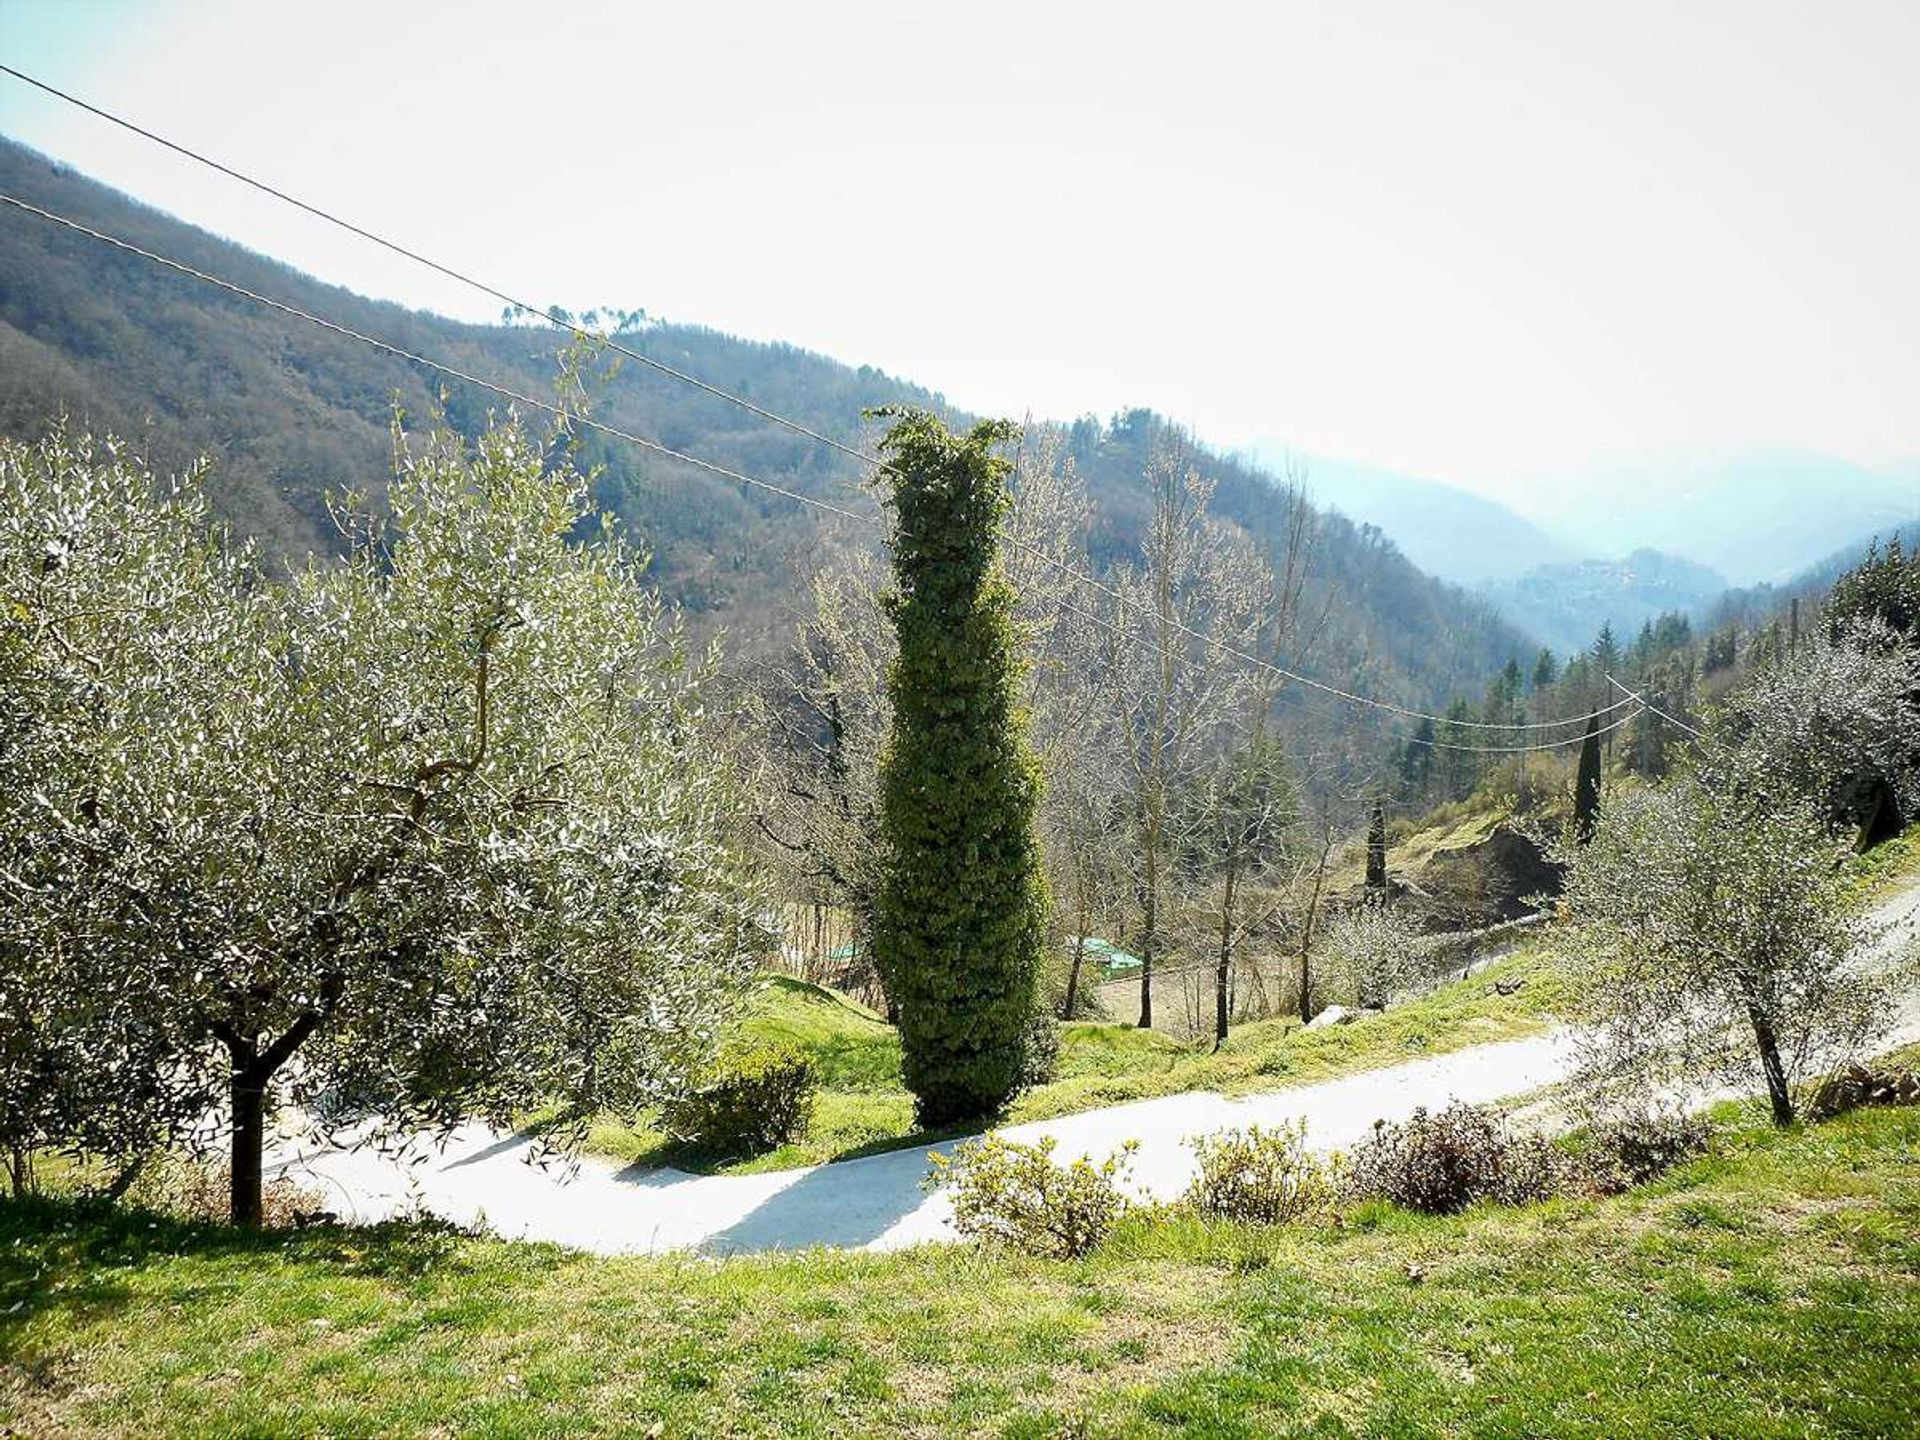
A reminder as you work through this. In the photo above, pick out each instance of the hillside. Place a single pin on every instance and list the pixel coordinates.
(1566, 604)
(288, 414)
(1753, 604)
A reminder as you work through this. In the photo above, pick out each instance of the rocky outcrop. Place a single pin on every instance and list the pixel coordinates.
(1487, 882)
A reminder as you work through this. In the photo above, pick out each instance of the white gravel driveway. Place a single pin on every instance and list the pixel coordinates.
(877, 1203)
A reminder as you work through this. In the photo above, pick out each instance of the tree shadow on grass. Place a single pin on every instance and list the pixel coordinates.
(70, 1254)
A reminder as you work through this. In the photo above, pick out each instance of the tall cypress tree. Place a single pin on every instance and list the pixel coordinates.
(1377, 851)
(1586, 785)
(960, 922)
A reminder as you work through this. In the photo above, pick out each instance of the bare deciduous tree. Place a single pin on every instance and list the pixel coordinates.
(1198, 588)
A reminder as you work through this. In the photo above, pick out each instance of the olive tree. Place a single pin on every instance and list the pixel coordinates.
(111, 602)
(1712, 939)
(1367, 952)
(422, 835)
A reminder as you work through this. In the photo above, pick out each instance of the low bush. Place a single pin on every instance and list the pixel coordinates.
(1623, 1153)
(1012, 1194)
(1441, 1163)
(1532, 1169)
(754, 1100)
(1266, 1176)
(1859, 1085)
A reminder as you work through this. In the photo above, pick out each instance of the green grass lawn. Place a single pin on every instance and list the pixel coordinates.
(863, 1108)
(1887, 866)
(1770, 1291)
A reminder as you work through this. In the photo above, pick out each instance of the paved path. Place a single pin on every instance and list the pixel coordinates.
(877, 1203)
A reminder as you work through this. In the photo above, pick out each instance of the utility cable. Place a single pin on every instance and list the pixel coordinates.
(1649, 705)
(613, 343)
(571, 417)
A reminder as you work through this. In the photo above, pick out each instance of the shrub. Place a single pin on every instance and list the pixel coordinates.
(1858, 1085)
(1013, 1194)
(754, 1100)
(1443, 1163)
(1041, 1060)
(1265, 1176)
(1532, 1169)
(1624, 1153)
(1366, 954)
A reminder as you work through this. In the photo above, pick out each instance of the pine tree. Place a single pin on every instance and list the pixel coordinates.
(960, 922)
(1606, 650)
(1416, 765)
(1545, 670)
(1586, 785)
(1459, 764)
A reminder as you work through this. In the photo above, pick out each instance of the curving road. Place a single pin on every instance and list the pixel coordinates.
(478, 1174)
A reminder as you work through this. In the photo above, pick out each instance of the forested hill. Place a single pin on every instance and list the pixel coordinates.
(289, 413)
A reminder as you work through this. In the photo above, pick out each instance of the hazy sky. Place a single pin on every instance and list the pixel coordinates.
(1484, 243)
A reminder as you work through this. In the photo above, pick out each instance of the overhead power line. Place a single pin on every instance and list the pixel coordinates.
(1647, 704)
(552, 317)
(401, 353)
(654, 446)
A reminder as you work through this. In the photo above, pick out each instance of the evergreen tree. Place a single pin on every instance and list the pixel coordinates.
(1606, 651)
(1722, 650)
(1586, 785)
(1885, 587)
(1459, 765)
(1545, 670)
(1377, 851)
(960, 922)
(1416, 765)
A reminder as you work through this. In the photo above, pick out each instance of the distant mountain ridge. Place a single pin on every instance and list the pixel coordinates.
(1444, 529)
(1750, 604)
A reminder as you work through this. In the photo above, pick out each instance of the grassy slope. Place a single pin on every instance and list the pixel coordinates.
(1771, 1291)
(863, 1108)
(1886, 867)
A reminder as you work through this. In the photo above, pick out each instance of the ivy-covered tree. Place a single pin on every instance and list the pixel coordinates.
(960, 924)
